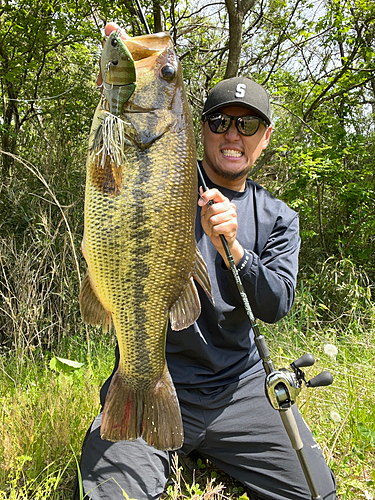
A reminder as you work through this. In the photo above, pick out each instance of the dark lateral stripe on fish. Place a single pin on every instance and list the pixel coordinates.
(140, 226)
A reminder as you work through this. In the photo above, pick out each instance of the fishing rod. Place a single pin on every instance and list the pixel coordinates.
(282, 386)
(143, 18)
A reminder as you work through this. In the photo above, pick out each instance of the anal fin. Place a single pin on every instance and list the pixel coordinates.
(187, 308)
(200, 274)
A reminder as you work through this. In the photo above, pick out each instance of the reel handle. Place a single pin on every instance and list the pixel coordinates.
(324, 378)
(305, 360)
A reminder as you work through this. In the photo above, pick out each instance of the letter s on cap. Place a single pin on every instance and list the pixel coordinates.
(240, 90)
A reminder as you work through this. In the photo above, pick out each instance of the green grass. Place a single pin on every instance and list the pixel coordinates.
(45, 414)
(45, 411)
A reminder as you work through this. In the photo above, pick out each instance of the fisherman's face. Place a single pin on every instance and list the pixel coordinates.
(228, 157)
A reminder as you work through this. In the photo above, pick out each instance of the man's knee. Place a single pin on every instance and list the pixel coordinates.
(109, 469)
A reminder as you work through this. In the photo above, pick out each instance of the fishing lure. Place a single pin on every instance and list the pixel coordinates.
(119, 82)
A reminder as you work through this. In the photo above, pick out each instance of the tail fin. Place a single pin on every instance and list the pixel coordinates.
(153, 414)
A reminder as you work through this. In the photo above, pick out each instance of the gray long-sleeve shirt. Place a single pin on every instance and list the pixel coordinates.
(219, 347)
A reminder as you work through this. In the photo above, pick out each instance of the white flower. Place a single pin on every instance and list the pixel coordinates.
(335, 416)
(368, 496)
(330, 350)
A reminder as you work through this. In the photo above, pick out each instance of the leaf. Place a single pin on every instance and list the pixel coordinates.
(366, 432)
(64, 365)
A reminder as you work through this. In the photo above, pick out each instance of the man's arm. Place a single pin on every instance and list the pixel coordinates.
(269, 279)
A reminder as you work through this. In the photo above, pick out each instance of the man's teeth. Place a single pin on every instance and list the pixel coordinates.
(231, 152)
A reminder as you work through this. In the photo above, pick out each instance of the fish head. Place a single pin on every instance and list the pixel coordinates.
(116, 62)
(158, 102)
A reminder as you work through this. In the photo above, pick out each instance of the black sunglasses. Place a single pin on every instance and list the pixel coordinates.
(219, 123)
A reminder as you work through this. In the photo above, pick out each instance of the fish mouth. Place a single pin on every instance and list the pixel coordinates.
(145, 46)
(145, 51)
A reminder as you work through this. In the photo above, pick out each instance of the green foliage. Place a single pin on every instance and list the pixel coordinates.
(66, 366)
(318, 64)
(69, 371)
(342, 294)
(368, 433)
(48, 402)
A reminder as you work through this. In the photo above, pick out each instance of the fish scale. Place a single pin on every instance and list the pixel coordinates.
(139, 245)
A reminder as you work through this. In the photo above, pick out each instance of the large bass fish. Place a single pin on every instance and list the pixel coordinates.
(139, 243)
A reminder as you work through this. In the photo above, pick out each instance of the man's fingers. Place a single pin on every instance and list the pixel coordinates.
(221, 213)
(223, 209)
(226, 228)
(210, 195)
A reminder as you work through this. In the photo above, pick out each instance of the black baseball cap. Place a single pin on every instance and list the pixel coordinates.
(239, 91)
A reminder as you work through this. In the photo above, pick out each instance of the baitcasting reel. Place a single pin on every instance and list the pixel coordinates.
(283, 386)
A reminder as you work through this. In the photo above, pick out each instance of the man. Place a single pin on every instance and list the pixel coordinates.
(214, 364)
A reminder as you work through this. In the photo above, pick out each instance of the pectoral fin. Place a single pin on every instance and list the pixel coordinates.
(92, 311)
(187, 307)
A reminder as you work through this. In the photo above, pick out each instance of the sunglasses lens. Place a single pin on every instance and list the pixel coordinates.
(248, 125)
(219, 123)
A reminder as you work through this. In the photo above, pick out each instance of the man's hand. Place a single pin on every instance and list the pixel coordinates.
(220, 218)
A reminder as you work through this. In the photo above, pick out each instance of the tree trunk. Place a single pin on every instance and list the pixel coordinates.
(237, 10)
(158, 24)
(9, 132)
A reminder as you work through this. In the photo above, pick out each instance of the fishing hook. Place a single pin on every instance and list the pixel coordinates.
(105, 75)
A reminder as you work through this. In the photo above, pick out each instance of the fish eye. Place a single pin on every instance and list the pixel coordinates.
(114, 42)
(168, 72)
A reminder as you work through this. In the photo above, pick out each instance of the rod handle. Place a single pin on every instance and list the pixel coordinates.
(291, 428)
